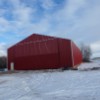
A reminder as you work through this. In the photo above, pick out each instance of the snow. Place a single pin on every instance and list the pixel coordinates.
(56, 85)
(95, 64)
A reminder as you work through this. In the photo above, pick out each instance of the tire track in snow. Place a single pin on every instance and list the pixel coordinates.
(36, 80)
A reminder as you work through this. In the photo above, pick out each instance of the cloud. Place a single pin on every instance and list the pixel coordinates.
(74, 19)
(48, 4)
(78, 18)
(95, 46)
(21, 12)
(21, 17)
(4, 25)
(73, 6)
(2, 49)
(2, 12)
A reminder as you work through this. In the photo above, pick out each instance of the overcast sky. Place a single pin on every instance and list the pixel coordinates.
(78, 20)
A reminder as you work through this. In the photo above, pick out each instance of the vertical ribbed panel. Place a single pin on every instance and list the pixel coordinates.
(42, 52)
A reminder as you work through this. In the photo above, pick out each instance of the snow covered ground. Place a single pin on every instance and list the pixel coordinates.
(90, 66)
(57, 85)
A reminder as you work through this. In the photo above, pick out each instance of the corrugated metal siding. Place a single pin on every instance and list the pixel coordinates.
(77, 55)
(43, 52)
(65, 53)
(39, 54)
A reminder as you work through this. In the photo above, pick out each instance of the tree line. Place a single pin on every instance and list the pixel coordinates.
(3, 62)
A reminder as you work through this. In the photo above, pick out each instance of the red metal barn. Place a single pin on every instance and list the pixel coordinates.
(43, 52)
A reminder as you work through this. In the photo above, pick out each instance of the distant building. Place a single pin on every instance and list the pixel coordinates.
(43, 52)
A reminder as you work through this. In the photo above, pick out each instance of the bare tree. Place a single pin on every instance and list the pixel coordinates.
(86, 52)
